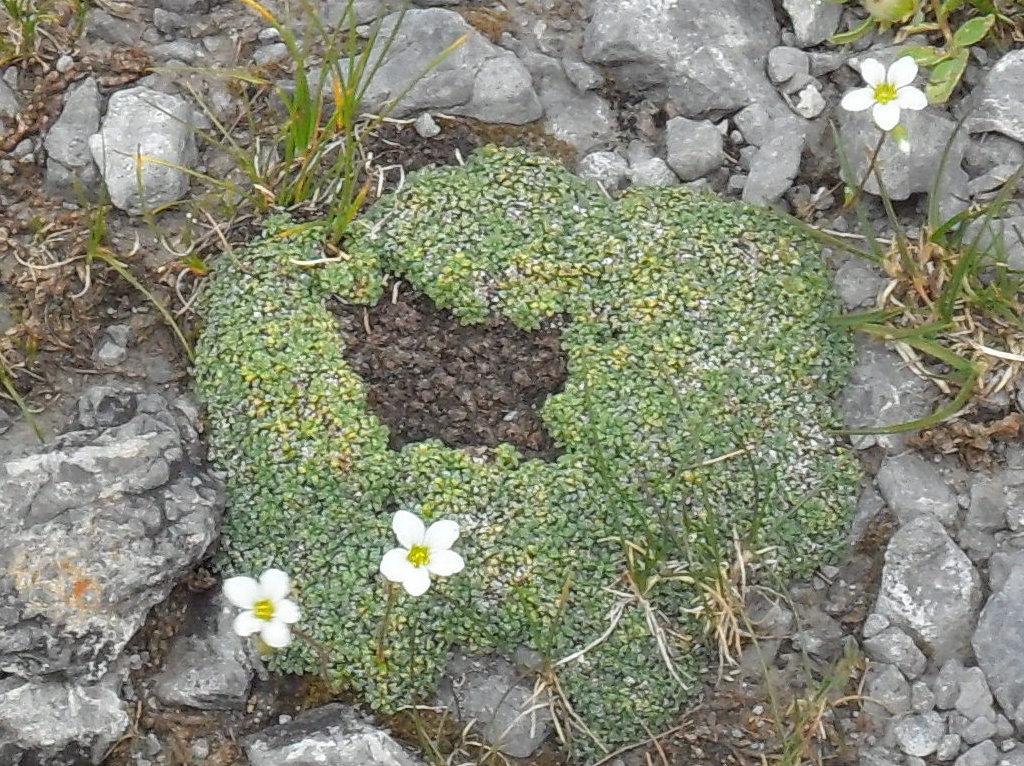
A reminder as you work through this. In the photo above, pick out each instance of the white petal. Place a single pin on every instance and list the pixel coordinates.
(417, 581)
(287, 610)
(911, 98)
(242, 591)
(441, 535)
(275, 584)
(408, 529)
(873, 72)
(396, 565)
(246, 624)
(902, 72)
(276, 634)
(445, 563)
(858, 100)
(887, 116)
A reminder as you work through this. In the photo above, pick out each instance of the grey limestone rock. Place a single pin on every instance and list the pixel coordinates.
(919, 734)
(946, 684)
(999, 107)
(930, 588)
(999, 644)
(95, 529)
(785, 62)
(858, 282)
(208, 665)
(888, 693)
(113, 347)
(69, 165)
(426, 127)
(652, 172)
(814, 21)
(973, 699)
(477, 79)
(984, 754)
(922, 698)
(894, 646)
(332, 735)
(694, 147)
(775, 165)
(606, 168)
(141, 122)
(704, 62)
(883, 392)
(949, 747)
(912, 172)
(9, 104)
(59, 723)
(584, 120)
(491, 692)
(912, 486)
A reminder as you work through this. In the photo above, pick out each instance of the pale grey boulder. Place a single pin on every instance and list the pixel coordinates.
(332, 735)
(930, 589)
(704, 60)
(144, 148)
(475, 79)
(96, 528)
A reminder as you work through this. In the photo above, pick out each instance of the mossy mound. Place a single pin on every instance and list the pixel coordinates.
(697, 410)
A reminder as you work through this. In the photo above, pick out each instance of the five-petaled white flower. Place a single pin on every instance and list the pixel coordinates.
(424, 552)
(887, 92)
(267, 611)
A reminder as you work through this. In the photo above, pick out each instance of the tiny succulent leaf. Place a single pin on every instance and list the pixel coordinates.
(945, 77)
(973, 30)
(926, 55)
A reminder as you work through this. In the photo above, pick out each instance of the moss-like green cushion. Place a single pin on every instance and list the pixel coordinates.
(697, 410)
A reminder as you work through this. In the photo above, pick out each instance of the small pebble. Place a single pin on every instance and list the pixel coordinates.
(425, 126)
(64, 63)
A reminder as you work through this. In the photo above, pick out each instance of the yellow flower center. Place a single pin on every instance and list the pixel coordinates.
(264, 610)
(419, 555)
(885, 93)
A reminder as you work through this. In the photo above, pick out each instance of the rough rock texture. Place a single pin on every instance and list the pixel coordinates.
(930, 588)
(492, 693)
(332, 735)
(9, 105)
(70, 170)
(606, 168)
(707, 61)
(208, 665)
(999, 645)
(97, 528)
(581, 119)
(775, 165)
(883, 392)
(913, 172)
(999, 107)
(694, 147)
(59, 723)
(144, 122)
(894, 646)
(477, 79)
(912, 486)
(813, 20)
(919, 735)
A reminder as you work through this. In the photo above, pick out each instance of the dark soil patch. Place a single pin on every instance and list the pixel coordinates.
(468, 385)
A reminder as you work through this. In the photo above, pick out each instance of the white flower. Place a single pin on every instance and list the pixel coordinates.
(267, 611)
(424, 552)
(887, 92)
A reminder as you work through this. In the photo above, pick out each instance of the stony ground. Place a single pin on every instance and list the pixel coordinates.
(909, 651)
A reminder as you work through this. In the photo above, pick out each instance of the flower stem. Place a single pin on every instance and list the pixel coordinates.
(321, 654)
(383, 629)
(872, 161)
